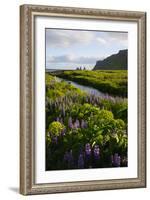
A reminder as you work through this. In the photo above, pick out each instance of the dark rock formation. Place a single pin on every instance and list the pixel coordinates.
(114, 62)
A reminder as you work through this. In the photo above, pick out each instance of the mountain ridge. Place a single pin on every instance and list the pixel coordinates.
(116, 61)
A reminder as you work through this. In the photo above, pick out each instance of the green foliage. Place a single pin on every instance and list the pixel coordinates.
(118, 107)
(86, 110)
(55, 128)
(112, 82)
(55, 89)
(105, 115)
(74, 118)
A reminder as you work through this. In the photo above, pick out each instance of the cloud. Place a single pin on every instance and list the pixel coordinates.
(82, 47)
(67, 38)
(111, 38)
(58, 38)
(72, 59)
(117, 35)
(101, 40)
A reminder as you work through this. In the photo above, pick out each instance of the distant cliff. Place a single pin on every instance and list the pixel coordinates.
(114, 62)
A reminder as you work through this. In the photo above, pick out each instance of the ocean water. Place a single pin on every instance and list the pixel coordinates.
(69, 66)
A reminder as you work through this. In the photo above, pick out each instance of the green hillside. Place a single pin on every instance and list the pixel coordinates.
(114, 62)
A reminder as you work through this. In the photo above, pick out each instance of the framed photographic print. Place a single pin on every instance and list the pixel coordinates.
(82, 99)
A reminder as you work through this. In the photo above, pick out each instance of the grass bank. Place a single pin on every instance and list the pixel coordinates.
(113, 82)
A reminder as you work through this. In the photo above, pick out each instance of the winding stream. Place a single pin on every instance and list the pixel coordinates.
(89, 90)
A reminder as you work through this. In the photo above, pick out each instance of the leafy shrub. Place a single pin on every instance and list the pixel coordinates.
(55, 128)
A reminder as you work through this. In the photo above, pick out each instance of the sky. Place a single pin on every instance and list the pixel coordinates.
(69, 49)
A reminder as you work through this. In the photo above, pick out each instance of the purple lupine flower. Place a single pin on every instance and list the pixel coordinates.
(96, 99)
(63, 132)
(70, 124)
(116, 160)
(88, 150)
(88, 156)
(91, 99)
(80, 161)
(68, 157)
(113, 99)
(124, 161)
(57, 119)
(86, 99)
(55, 139)
(96, 152)
(83, 124)
(61, 120)
(76, 124)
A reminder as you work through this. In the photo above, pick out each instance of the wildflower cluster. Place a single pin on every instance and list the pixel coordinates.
(82, 130)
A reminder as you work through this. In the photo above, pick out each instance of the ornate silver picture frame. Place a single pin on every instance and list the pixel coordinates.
(30, 182)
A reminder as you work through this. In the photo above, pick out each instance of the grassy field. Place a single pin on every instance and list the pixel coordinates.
(113, 82)
(82, 130)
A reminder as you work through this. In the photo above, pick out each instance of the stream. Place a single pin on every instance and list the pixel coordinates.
(89, 90)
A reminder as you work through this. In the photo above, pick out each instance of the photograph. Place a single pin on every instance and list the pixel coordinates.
(86, 99)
